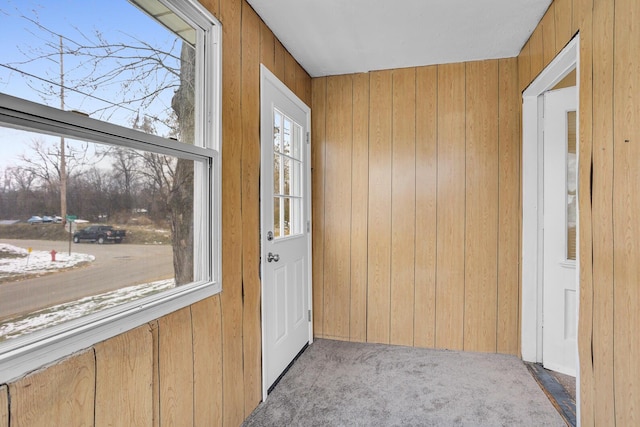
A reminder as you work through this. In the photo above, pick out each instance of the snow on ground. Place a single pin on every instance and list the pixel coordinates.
(13, 328)
(37, 262)
(21, 262)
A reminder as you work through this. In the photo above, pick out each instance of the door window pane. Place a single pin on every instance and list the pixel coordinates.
(572, 178)
(287, 175)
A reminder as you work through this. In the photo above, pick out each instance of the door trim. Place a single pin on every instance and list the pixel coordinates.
(267, 76)
(532, 202)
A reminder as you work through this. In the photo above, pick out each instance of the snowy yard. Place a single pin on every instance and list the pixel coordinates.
(16, 261)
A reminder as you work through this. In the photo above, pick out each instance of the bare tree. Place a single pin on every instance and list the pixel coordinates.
(137, 77)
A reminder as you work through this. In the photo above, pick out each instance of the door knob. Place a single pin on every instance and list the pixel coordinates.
(273, 257)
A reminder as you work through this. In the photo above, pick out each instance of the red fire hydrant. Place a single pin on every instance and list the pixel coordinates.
(53, 255)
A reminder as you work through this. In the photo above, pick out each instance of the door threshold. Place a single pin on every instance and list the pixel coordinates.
(559, 397)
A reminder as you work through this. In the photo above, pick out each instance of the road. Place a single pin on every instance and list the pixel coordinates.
(115, 266)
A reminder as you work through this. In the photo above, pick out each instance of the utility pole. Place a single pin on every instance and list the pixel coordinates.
(63, 159)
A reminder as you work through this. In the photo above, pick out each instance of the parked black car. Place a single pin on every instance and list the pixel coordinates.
(100, 234)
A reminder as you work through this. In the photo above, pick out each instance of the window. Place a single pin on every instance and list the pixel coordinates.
(109, 170)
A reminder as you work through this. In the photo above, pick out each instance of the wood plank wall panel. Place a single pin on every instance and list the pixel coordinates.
(585, 323)
(408, 177)
(626, 202)
(231, 298)
(379, 234)
(359, 208)
(279, 58)
(337, 236)
(4, 406)
(481, 213)
(450, 272)
(426, 192)
(251, 289)
(175, 368)
(608, 343)
(549, 34)
(563, 14)
(508, 331)
(289, 71)
(267, 47)
(207, 362)
(524, 66)
(403, 206)
(124, 379)
(602, 225)
(61, 395)
(318, 124)
(537, 52)
(202, 364)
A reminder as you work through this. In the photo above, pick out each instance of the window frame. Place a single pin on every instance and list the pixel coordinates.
(22, 355)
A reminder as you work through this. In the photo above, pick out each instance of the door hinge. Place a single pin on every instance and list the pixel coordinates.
(309, 312)
(308, 138)
(308, 226)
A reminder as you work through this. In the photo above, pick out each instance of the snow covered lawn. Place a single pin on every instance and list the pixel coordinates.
(15, 261)
(13, 328)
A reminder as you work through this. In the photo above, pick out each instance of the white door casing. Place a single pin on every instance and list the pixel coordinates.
(532, 161)
(285, 206)
(559, 265)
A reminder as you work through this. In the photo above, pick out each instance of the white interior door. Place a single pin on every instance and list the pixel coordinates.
(285, 226)
(559, 351)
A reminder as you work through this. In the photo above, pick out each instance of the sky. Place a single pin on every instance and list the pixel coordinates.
(117, 20)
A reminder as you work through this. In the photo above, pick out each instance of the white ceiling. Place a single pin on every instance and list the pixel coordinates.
(330, 37)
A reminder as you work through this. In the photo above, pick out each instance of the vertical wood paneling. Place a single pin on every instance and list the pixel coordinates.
(379, 235)
(426, 191)
(251, 323)
(279, 58)
(300, 86)
(337, 231)
(481, 238)
(267, 47)
(450, 271)
(508, 333)
(124, 379)
(585, 325)
(549, 34)
(318, 107)
(537, 52)
(61, 395)
(175, 366)
(602, 203)
(359, 208)
(4, 406)
(290, 71)
(231, 298)
(524, 66)
(212, 6)
(155, 392)
(403, 203)
(563, 13)
(207, 362)
(626, 200)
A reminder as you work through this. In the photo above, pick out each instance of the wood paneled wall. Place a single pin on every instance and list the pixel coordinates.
(415, 206)
(609, 156)
(199, 366)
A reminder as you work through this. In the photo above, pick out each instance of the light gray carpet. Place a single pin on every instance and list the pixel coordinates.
(337, 383)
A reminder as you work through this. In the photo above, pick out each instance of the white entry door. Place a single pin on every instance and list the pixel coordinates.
(285, 226)
(559, 350)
